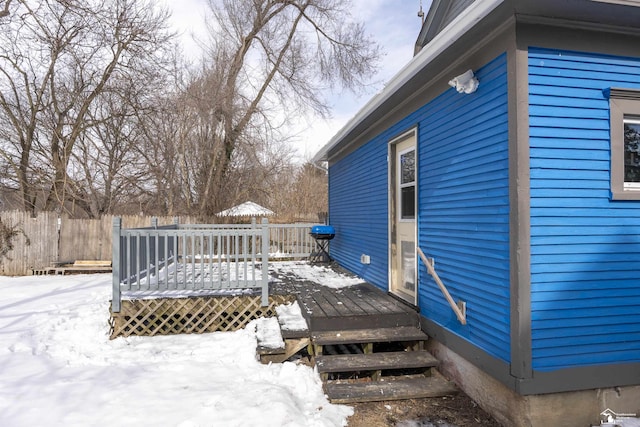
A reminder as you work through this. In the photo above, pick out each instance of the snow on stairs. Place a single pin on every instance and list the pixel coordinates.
(282, 337)
(364, 365)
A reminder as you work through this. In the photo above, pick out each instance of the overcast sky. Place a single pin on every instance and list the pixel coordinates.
(394, 24)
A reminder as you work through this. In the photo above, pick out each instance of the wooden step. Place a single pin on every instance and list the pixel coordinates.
(270, 329)
(292, 346)
(359, 336)
(332, 323)
(294, 334)
(375, 361)
(261, 350)
(392, 389)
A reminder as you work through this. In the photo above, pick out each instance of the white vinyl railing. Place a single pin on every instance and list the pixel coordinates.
(198, 257)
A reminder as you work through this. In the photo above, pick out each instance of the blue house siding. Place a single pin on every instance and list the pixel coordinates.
(585, 247)
(358, 209)
(463, 218)
(464, 208)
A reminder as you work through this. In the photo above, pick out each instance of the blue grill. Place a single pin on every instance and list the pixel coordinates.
(323, 232)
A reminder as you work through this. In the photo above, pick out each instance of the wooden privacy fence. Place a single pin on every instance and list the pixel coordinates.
(179, 259)
(48, 239)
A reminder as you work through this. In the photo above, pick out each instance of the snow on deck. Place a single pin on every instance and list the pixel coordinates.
(319, 274)
(195, 279)
(203, 279)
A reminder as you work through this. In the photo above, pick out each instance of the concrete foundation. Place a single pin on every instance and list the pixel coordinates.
(571, 409)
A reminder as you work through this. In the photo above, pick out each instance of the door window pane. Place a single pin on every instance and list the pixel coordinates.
(407, 184)
(408, 202)
(408, 165)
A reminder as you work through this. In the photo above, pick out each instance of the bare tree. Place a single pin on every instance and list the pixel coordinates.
(301, 194)
(56, 60)
(86, 124)
(310, 195)
(105, 170)
(166, 145)
(177, 139)
(256, 172)
(268, 60)
(5, 8)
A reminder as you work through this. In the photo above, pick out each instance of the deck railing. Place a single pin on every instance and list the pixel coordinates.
(193, 257)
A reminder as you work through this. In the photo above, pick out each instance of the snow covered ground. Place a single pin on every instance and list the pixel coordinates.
(58, 367)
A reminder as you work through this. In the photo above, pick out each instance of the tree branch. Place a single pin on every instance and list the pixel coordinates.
(5, 12)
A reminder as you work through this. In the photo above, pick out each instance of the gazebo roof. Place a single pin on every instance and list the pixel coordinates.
(246, 209)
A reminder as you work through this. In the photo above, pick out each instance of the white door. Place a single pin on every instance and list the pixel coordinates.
(402, 184)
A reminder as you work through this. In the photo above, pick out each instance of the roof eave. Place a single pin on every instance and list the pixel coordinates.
(456, 29)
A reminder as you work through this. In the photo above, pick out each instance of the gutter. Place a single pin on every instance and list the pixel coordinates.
(449, 35)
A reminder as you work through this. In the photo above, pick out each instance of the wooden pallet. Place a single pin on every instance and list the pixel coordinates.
(78, 266)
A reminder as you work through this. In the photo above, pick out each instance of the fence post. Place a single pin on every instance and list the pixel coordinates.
(154, 222)
(115, 264)
(265, 262)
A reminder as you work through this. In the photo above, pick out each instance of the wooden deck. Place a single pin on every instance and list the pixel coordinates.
(354, 307)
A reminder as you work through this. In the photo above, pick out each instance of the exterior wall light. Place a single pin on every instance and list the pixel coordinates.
(465, 83)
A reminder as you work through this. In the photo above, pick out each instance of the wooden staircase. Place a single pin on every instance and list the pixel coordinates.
(365, 365)
(365, 345)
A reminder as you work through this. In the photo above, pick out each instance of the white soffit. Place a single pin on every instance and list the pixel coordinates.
(622, 2)
(477, 11)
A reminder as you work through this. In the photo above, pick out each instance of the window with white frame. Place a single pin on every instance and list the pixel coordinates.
(625, 143)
